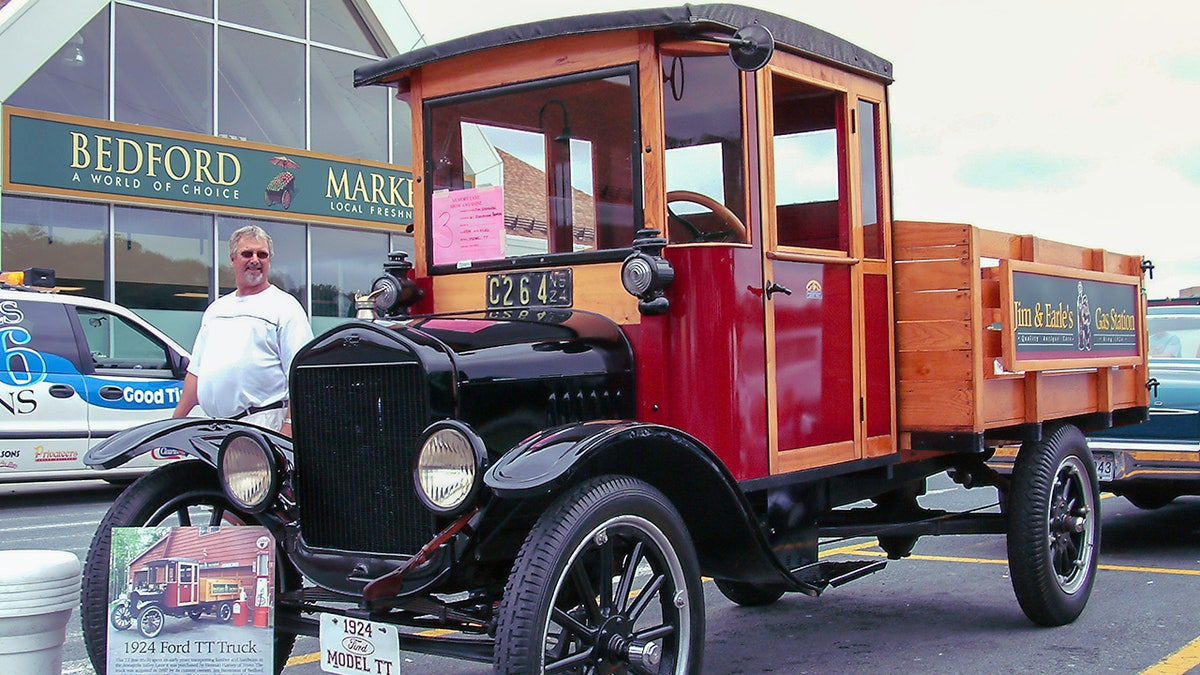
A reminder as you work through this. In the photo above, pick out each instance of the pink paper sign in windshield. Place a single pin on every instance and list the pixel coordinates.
(468, 225)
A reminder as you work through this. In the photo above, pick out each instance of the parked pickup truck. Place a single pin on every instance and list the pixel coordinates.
(659, 325)
(1152, 463)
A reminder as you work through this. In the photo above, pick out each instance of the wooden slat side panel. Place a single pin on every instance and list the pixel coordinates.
(907, 234)
(932, 275)
(951, 367)
(933, 306)
(934, 406)
(1003, 402)
(932, 336)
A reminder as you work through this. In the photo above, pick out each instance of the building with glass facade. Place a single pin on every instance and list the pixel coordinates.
(138, 135)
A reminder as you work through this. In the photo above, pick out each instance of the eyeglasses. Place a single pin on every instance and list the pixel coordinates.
(262, 255)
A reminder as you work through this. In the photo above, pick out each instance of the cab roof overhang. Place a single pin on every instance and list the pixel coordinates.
(790, 35)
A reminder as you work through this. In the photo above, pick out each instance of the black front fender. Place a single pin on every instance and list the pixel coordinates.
(728, 537)
(200, 438)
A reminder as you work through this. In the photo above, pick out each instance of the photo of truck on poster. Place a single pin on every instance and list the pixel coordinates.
(190, 600)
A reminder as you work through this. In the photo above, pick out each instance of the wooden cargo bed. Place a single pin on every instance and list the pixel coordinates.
(958, 310)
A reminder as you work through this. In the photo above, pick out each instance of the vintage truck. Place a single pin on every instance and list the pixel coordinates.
(174, 587)
(658, 325)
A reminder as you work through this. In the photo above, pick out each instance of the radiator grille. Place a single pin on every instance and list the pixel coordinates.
(355, 444)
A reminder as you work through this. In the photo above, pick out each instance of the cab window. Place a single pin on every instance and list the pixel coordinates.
(546, 168)
(809, 185)
(118, 344)
(705, 154)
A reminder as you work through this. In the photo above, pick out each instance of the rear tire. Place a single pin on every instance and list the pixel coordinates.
(607, 581)
(181, 493)
(1054, 526)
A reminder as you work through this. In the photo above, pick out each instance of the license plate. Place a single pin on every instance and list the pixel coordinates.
(542, 288)
(355, 646)
(1106, 465)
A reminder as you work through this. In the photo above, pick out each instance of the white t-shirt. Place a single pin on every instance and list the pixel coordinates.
(244, 349)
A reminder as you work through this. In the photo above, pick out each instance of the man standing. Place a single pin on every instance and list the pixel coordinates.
(240, 362)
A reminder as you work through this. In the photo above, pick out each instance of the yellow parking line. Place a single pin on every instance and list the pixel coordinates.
(1180, 662)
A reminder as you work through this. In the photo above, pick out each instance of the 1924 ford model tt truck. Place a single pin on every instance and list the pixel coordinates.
(174, 587)
(659, 324)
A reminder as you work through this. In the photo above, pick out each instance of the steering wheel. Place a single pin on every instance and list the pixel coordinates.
(734, 229)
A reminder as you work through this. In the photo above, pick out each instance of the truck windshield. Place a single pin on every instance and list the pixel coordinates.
(535, 169)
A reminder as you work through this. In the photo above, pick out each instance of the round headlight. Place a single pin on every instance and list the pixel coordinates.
(449, 468)
(247, 470)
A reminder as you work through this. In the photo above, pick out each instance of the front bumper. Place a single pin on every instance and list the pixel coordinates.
(1133, 462)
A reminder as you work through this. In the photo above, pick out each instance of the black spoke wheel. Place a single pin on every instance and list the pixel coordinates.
(121, 617)
(749, 594)
(150, 621)
(225, 612)
(1054, 526)
(183, 493)
(606, 582)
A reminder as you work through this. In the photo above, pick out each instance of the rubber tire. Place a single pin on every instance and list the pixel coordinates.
(622, 509)
(1057, 467)
(225, 612)
(150, 621)
(1148, 501)
(142, 503)
(749, 594)
(194, 614)
(120, 617)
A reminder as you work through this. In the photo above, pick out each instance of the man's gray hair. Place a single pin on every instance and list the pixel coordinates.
(249, 232)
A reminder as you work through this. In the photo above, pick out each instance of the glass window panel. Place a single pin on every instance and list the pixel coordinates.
(261, 88)
(868, 146)
(338, 23)
(197, 7)
(346, 121)
(561, 150)
(349, 262)
(288, 267)
(277, 16)
(117, 343)
(704, 144)
(401, 133)
(162, 263)
(163, 70)
(75, 80)
(68, 237)
(809, 211)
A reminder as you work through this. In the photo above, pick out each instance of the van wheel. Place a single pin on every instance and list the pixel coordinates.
(181, 493)
(607, 581)
(749, 594)
(1054, 526)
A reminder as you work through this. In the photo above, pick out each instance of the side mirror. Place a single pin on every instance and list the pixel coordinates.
(751, 47)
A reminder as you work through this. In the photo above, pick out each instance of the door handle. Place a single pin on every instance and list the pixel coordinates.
(773, 288)
(62, 390)
(110, 393)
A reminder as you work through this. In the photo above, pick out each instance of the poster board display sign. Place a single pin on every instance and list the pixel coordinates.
(194, 600)
(1057, 318)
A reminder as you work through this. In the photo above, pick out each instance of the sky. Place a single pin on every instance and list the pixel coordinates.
(1065, 119)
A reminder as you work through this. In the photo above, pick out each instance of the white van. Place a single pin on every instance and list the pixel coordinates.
(73, 371)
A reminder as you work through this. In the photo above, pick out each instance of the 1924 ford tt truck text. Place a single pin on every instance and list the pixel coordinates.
(516, 449)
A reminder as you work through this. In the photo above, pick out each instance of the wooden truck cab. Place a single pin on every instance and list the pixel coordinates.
(658, 324)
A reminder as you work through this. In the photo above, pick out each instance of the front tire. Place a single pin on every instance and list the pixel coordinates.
(182, 493)
(1054, 526)
(150, 621)
(607, 581)
(121, 617)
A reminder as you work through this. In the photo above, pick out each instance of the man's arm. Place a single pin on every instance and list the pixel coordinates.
(188, 399)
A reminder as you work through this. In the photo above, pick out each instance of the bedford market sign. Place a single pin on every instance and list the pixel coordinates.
(60, 155)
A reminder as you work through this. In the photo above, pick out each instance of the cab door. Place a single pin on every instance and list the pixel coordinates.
(43, 411)
(826, 289)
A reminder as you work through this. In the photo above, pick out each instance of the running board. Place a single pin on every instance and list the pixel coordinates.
(823, 574)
